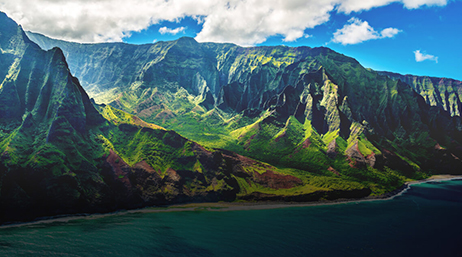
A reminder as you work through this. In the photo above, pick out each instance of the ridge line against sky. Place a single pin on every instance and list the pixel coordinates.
(406, 36)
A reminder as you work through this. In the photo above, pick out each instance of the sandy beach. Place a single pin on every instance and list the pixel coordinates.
(235, 206)
(239, 206)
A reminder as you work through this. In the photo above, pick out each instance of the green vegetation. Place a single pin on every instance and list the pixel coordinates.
(363, 112)
(266, 123)
(442, 92)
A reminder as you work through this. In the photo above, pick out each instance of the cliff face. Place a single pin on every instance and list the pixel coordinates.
(38, 92)
(270, 102)
(225, 71)
(442, 92)
(325, 126)
(61, 153)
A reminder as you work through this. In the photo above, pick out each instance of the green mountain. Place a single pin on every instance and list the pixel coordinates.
(62, 153)
(317, 124)
(442, 92)
(305, 108)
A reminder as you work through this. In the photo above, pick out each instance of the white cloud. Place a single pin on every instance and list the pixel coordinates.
(249, 22)
(420, 57)
(348, 6)
(357, 31)
(97, 20)
(245, 22)
(413, 4)
(165, 30)
(293, 35)
(389, 32)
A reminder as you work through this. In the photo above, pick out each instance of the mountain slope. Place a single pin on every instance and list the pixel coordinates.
(270, 102)
(60, 153)
(442, 92)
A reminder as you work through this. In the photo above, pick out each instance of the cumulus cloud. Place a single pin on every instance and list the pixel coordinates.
(420, 57)
(165, 30)
(413, 4)
(294, 35)
(357, 31)
(348, 6)
(249, 22)
(389, 32)
(97, 20)
(245, 22)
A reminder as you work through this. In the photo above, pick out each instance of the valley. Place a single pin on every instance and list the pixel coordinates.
(182, 121)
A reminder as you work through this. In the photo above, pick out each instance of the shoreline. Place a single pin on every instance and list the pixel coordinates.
(233, 206)
(239, 206)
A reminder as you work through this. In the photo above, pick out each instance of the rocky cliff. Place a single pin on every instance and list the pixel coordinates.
(60, 153)
(442, 92)
(288, 106)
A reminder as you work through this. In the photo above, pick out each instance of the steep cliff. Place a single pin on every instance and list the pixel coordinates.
(442, 92)
(60, 153)
(287, 106)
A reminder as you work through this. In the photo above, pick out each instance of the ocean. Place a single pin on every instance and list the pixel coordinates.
(425, 220)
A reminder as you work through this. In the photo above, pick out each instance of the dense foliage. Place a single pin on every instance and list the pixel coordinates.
(305, 108)
(315, 124)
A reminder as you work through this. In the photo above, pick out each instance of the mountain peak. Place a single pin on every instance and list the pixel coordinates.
(7, 24)
(58, 55)
(4, 17)
(186, 42)
(186, 39)
(8, 28)
(38, 82)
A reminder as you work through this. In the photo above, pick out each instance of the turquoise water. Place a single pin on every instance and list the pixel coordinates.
(423, 221)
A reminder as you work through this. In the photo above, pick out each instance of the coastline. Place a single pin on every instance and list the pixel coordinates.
(233, 206)
(240, 206)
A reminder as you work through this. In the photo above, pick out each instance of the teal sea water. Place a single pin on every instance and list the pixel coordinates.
(426, 220)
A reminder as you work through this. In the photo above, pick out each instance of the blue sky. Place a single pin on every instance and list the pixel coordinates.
(435, 30)
(418, 37)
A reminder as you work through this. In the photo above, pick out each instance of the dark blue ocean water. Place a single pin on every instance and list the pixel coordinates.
(424, 221)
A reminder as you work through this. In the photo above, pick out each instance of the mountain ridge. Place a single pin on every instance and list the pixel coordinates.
(315, 124)
(445, 93)
(327, 92)
(64, 154)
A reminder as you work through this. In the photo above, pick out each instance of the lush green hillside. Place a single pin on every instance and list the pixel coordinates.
(61, 153)
(320, 125)
(306, 108)
(442, 92)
